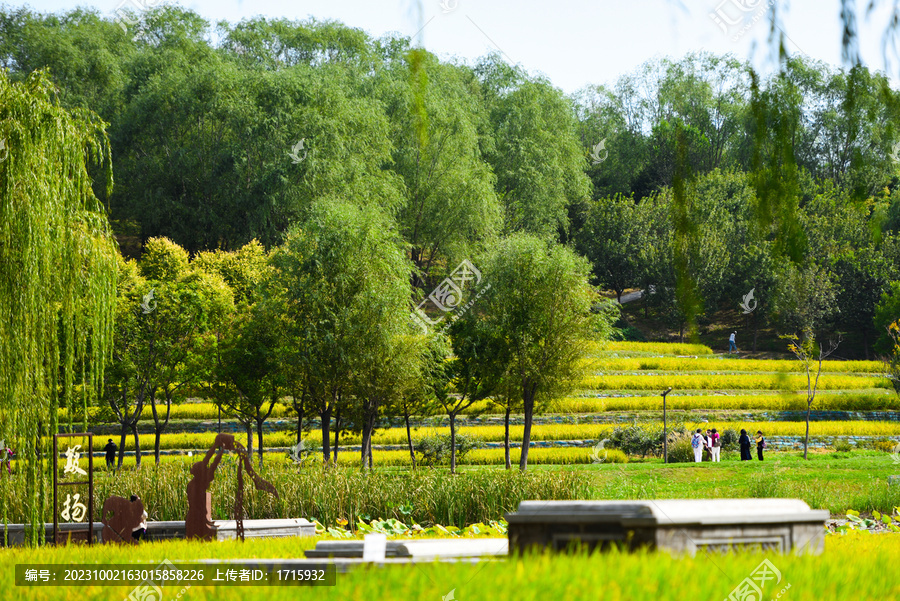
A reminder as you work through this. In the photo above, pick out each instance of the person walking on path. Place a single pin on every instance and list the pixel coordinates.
(697, 444)
(744, 441)
(111, 450)
(715, 446)
(760, 444)
(732, 346)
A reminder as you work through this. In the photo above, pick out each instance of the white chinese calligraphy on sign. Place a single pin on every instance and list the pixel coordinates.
(73, 509)
(72, 457)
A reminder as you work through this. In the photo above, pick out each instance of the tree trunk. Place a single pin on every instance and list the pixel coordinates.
(806, 442)
(755, 330)
(366, 440)
(157, 435)
(122, 438)
(299, 424)
(259, 441)
(619, 296)
(506, 437)
(412, 453)
(337, 433)
(249, 426)
(865, 336)
(137, 444)
(326, 434)
(453, 443)
(526, 436)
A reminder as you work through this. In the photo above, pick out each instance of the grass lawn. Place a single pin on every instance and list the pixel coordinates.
(855, 566)
(833, 481)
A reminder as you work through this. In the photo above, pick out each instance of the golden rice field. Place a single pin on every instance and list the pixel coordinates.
(846, 401)
(699, 378)
(539, 432)
(720, 364)
(870, 399)
(400, 458)
(659, 348)
(710, 381)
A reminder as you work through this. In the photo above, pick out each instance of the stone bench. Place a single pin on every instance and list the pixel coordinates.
(680, 526)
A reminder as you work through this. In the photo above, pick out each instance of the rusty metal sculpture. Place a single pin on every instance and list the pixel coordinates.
(198, 523)
(120, 517)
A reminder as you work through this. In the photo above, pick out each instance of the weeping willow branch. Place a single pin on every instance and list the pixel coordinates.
(57, 271)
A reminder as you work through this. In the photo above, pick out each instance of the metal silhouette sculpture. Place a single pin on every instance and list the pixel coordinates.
(199, 523)
(120, 517)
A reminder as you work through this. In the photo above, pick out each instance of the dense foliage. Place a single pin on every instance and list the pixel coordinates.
(710, 183)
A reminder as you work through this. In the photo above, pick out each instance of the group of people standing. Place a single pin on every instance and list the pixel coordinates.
(711, 444)
(744, 441)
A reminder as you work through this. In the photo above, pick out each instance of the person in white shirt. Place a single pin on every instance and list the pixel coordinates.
(140, 530)
(732, 346)
(697, 445)
(715, 446)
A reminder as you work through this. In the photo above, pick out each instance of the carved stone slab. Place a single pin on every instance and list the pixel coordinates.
(677, 525)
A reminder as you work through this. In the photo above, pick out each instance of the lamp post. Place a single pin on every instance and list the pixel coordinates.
(665, 433)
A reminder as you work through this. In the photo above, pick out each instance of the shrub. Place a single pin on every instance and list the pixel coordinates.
(636, 440)
(729, 440)
(643, 439)
(628, 334)
(681, 450)
(435, 449)
(843, 446)
(885, 445)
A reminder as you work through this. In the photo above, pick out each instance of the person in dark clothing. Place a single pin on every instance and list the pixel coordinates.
(760, 444)
(744, 441)
(111, 450)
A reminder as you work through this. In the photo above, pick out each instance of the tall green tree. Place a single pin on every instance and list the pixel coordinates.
(254, 150)
(128, 381)
(537, 319)
(450, 210)
(611, 239)
(534, 152)
(57, 269)
(247, 376)
(167, 311)
(342, 279)
(804, 298)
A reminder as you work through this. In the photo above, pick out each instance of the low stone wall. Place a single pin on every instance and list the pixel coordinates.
(225, 529)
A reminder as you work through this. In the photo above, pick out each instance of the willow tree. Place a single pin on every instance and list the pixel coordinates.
(57, 272)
